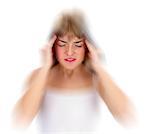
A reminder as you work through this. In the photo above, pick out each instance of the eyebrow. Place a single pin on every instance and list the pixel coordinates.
(78, 41)
(66, 41)
(62, 41)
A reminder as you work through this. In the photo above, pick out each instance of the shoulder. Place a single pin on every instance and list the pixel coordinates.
(31, 76)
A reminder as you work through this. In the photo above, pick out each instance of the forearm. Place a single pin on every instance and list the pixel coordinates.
(29, 104)
(117, 102)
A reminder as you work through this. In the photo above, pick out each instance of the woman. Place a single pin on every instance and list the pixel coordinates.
(71, 70)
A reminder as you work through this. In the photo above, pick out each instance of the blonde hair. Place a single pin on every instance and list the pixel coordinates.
(71, 21)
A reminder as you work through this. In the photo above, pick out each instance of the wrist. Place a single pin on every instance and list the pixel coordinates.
(97, 68)
(45, 69)
(100, 71)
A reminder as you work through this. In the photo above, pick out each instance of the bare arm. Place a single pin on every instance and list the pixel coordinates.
(117, 102)
(29, 104)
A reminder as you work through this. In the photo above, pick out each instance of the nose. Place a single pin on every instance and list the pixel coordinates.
(70, 50)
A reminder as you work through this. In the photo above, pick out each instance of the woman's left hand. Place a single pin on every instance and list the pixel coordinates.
(94, 56)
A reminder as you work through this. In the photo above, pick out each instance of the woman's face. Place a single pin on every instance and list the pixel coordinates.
(70, 51)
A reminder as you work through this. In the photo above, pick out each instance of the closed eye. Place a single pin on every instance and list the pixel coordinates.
(64, 45)
(78, 41)
(78, 46)
(61, 45)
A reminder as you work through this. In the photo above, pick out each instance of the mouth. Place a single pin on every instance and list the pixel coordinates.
(70, 59)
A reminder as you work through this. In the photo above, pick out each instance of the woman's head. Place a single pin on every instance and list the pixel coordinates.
(70, 50)
(71, 31)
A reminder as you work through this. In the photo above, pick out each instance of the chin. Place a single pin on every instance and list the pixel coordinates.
(70, 66)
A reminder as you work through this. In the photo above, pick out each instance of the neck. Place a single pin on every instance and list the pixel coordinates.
(70, 73)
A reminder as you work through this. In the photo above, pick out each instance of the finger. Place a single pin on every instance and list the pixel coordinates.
(90, 46)
(52, 40)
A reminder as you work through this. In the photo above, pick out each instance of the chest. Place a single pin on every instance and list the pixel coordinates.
(82, 81)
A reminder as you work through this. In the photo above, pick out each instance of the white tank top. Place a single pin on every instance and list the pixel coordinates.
(68, 112)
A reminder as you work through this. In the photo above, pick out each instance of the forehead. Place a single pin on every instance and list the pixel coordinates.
(69, 37)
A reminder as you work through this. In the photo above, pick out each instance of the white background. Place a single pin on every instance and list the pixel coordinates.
(121, 28)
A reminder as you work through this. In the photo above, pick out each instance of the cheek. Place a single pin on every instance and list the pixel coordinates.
(81, 53)
(59, 52)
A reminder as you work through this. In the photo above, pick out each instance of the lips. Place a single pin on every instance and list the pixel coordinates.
(70, 59)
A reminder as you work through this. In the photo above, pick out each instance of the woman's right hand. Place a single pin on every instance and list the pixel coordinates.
(47, 54)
